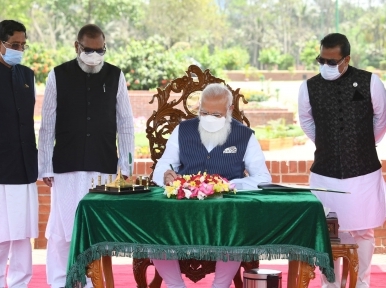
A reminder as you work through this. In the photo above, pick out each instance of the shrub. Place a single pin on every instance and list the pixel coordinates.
(278, 129)
(40, 60)
(382, 65)
(286, 61)
(146, 64)
(255, 95)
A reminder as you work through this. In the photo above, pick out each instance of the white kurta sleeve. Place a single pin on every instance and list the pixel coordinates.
(305, 112)
(125, 127)
(254, 161)
(47, 128)
(378, 98)
(171, 156)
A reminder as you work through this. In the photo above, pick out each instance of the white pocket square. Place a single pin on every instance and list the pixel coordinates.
(231, 149)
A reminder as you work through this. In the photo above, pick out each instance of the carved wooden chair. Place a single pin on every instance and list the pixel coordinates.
(161, 123)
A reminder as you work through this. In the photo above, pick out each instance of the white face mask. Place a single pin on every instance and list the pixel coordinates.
(211, 123)
(330, 73)
(92, 59)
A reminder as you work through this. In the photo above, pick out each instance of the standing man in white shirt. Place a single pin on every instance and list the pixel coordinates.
(343, 111)
(19, 161)
(200, 144)
(85, 107)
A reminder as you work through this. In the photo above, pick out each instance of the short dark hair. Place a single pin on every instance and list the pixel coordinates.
(91, 31)
(8, 27)
(336, 39)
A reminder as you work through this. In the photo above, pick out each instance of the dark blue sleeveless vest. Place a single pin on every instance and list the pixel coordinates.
(344, 134)
(195, 158)
(86, 124)
(18, 153)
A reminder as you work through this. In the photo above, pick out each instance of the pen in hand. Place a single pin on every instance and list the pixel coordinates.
(171, 167)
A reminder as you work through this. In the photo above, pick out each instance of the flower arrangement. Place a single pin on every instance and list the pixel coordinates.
(198, 186)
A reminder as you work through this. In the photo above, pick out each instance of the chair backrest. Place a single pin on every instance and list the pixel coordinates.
(171, 112)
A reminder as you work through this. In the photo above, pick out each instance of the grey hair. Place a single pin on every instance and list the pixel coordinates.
(215, 90)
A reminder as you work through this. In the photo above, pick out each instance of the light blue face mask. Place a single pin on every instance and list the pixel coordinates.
(12, 57)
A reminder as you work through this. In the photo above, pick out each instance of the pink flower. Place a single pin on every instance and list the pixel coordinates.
(207, 189)
(198, 186)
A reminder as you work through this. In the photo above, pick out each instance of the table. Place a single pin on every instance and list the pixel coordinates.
(247, 226)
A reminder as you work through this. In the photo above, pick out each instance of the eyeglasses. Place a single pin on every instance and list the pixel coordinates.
(330, 62)
(17, 46)
(87, 50)
(203, 113)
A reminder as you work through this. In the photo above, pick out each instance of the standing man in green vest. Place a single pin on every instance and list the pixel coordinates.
(343, 111)
(18, 158)
(85, 107)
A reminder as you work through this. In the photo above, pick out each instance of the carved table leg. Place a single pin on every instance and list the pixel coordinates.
(94, 272)
(345, 269)
(139, 270)
(157, 280)
(354, 266)
(108, 271)
(300, 274)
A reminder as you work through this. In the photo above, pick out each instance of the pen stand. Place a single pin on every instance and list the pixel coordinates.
(121, 186)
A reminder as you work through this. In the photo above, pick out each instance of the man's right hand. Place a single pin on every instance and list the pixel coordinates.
(48, 181)
(169, 176)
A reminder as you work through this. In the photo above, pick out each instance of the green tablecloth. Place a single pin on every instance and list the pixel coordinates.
(245, 226)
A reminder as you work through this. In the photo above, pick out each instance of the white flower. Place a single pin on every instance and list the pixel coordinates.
(201, 195)
(187, 193)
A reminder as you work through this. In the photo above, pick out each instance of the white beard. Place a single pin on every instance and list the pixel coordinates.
(218, 138)
(89, 69)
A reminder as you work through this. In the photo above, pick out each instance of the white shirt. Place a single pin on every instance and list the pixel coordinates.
(254, 161)
(125, 127)
(364, 208)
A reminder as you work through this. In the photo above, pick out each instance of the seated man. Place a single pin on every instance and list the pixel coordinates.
(199, 144)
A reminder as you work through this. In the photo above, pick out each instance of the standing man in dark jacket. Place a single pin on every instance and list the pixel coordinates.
(343, 111)
(86, 108)
(18, 155)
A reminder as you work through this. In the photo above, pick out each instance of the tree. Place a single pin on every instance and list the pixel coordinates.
(195, 21)
(58, 21)
(16, 10)
(309, 53)
(250, 25)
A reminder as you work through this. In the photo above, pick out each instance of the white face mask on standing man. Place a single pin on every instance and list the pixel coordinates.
(90, 60)
(329, 68)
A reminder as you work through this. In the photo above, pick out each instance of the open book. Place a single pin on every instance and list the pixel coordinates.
(291, 187)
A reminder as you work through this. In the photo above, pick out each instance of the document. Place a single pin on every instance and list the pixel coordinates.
(294, 187)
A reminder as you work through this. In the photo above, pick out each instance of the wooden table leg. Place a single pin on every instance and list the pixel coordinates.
(94, 272)
(108, 271)
(345, 269)
(354, 266)
(300, 274)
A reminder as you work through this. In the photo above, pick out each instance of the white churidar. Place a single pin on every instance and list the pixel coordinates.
(170, 271)
(20, 263)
